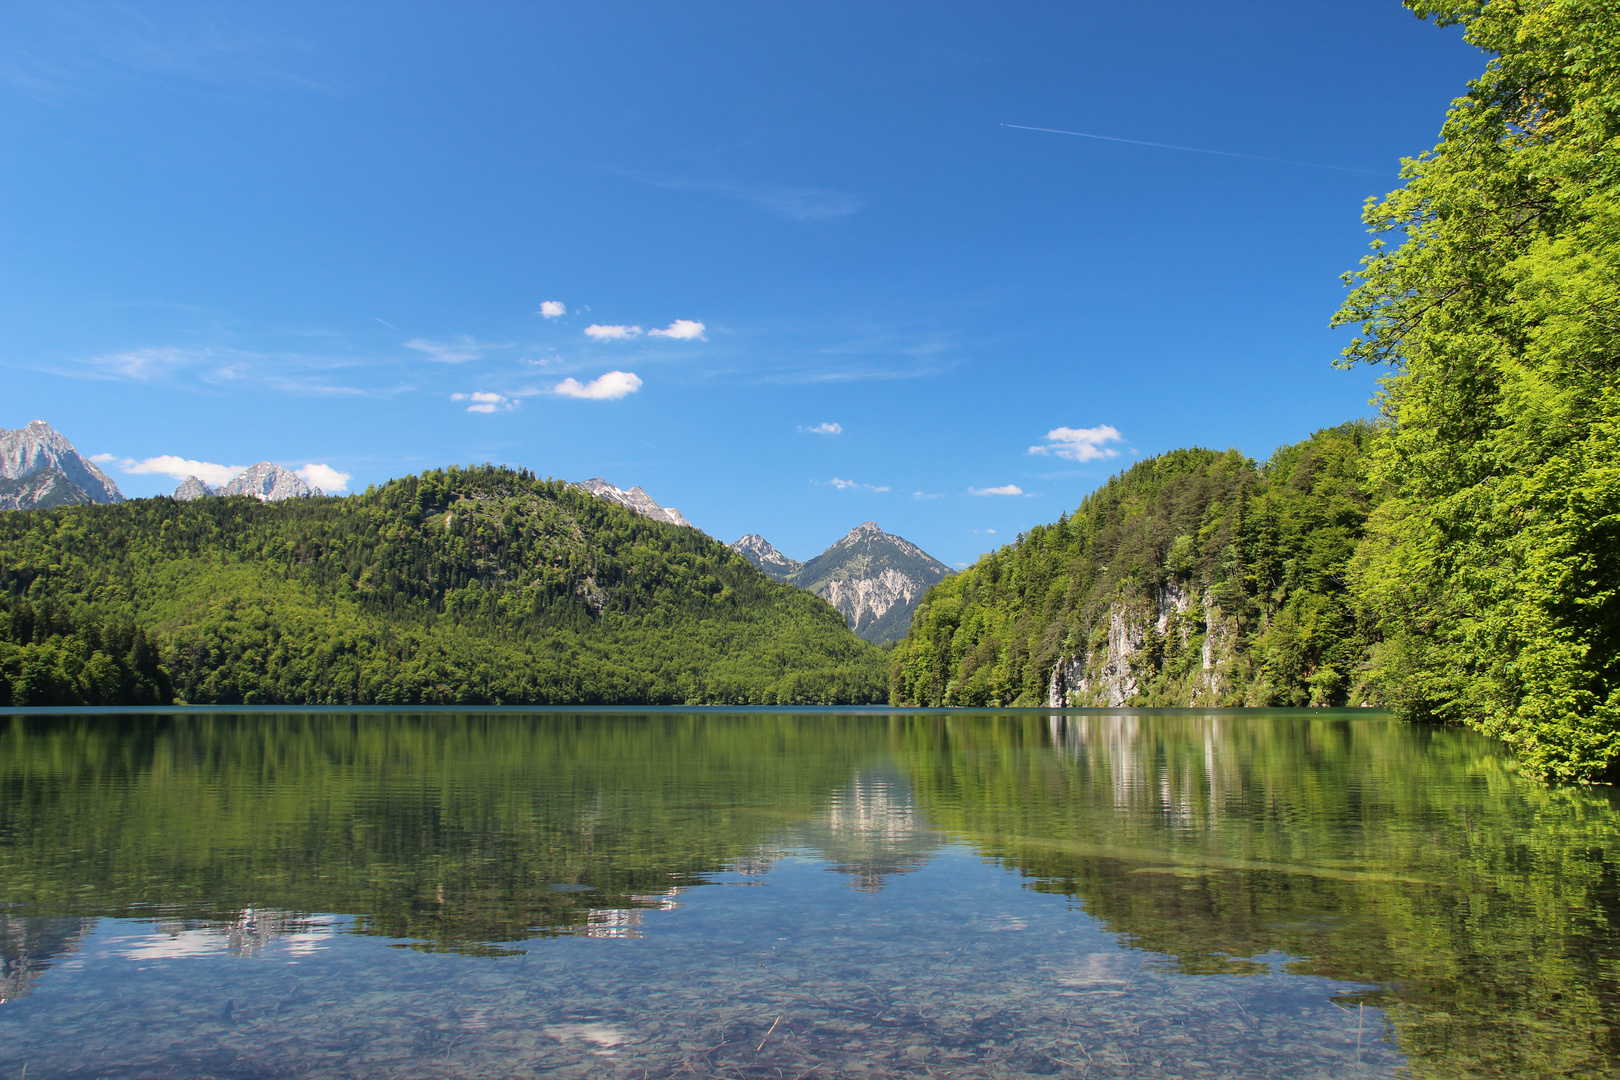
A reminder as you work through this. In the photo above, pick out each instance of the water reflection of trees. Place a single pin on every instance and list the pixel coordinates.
(453, 832)
(1484, 909)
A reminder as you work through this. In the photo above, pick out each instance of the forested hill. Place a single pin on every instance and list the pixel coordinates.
(473, 586)
(1193, 578)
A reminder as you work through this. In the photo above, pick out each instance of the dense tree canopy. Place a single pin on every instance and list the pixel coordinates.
(1494, 564)
(1259, 553)
(454, 587)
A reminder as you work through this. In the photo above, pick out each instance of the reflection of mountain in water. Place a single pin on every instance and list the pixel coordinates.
(30, 945)
(871, 829)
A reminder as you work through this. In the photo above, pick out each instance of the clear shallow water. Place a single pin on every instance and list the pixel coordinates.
(811, 894)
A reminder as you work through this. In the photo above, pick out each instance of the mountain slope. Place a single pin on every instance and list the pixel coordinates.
(772, 563)
(875, 580)
(1194, 578)
(41, 469)
(453, 587)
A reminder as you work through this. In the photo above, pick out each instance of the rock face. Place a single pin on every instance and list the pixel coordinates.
(1112, 673)
(193, 488)
(875, 579)
(635, 499)
(758, 550)
(40, 469)
(266, 481)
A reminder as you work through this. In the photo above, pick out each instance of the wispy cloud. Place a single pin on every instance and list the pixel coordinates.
(552, 309)
(1004, 489)
(306, 374)
(1080, 444)
(149, 363)
(612, 333)
(828, 428)
(609, 387)
(850, 485)
(926, 495)
(324, 477)
(458, 351)
(57, 50)
(793, 203)
(484, 402)
(681, 330)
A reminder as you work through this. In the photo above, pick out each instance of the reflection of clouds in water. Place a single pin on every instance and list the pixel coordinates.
(249, 934)
(173, 945)
(1100, 970)
(609, 1039)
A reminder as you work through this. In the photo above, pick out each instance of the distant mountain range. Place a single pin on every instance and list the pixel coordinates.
(39, 469)
(266, 481)
(875, 579)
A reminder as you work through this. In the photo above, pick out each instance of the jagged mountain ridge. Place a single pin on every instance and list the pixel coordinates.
(758, 550)
(636, 499)
(875, 579)
(266, 481)
(40, 469)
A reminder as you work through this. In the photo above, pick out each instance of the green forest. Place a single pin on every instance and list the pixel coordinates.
(459, 586)
(1458, 559)
(1261, 555)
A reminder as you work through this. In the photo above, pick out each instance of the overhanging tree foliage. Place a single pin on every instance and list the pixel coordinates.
(1494, 564)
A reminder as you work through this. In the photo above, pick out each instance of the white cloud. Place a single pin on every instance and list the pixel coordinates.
(1080, 444)
(324, 477)
(145, 364)
(1004, 489)
(828, 428)
(552, 309)
(180, 468)
(609, 387)
(459, 351)
(102, 459)
(850, 485)
(483, 402)
(681, 329)
(612, 333)
(925, 495)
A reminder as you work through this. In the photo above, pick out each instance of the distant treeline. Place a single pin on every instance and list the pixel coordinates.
(459, 586)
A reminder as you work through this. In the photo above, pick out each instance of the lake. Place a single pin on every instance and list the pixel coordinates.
(796, 894)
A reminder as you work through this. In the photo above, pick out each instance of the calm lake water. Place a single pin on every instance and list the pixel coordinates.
(797, 895)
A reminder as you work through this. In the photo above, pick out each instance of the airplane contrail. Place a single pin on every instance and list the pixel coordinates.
(1189, 149)
(390, 325)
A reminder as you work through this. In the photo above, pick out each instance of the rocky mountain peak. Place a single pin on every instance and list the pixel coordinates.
(875, 579)
(267, 482)
(758, 550)
(39, 468)
(635, 499)
(193, 488)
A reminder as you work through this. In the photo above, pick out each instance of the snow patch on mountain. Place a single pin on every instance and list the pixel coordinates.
(636, 499)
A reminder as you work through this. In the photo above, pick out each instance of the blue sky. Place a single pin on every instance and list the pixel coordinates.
(330, 234)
